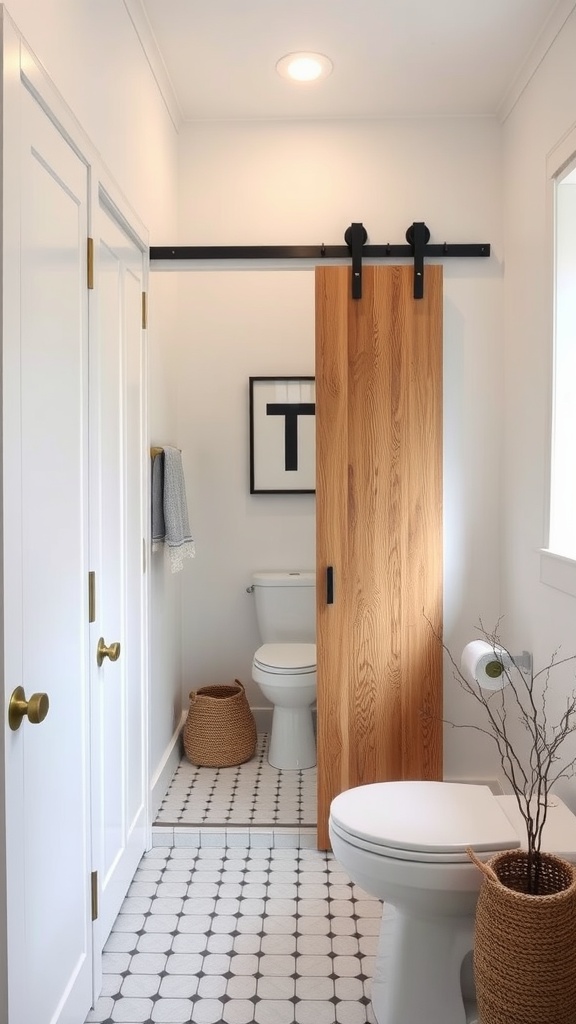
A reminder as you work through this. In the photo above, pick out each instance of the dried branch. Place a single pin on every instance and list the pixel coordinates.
(531, 773)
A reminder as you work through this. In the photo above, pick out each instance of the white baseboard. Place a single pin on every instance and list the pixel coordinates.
(168, 764)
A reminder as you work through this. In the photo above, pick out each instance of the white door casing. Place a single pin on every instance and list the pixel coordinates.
(45, 550)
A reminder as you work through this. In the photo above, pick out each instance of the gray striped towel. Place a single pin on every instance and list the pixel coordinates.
(170, 508)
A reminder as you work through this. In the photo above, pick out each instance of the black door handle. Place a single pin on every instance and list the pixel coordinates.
(330, 584)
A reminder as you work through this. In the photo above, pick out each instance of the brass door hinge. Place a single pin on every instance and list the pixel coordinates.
(94, 894)
(90, 262)
(144, 310)
(91, 597)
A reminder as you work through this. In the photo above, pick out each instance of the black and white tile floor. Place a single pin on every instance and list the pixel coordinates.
(248, 795)
(228, 935)
(234, 917)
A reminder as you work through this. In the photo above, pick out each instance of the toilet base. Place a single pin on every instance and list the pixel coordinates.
(292, 740)
(418, 973)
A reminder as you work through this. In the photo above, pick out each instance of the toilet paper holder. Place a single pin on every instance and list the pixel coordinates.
(523, 661)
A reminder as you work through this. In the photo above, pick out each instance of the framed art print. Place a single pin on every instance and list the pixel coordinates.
(282, 435)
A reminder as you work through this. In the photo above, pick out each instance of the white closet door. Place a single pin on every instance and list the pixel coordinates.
(119, 693)
(45, 555)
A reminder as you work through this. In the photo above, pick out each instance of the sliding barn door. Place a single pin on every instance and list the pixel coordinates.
(379, 529)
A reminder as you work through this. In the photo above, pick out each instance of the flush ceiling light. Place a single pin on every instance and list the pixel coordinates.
(304, 67)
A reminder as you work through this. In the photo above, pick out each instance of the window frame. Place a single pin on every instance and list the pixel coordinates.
(557, 569)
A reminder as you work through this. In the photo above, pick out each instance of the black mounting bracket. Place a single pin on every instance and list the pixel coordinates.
(418, 247)
(418, 237)
(355, 236)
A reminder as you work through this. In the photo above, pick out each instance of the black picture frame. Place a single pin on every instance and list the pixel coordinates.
(282, 440)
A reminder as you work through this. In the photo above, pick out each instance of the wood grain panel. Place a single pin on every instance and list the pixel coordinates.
(372, 454)
(421, 530)
(333, 648)
(379, 522)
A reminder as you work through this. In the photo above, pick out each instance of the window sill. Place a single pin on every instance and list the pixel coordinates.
(558, 571)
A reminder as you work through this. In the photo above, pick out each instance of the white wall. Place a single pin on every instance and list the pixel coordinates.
(236, 325)
(92, 54)
(165, 587)
(304, 183)
(540, 617)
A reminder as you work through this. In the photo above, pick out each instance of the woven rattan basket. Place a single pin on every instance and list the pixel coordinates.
(525, 944)
(220, 729)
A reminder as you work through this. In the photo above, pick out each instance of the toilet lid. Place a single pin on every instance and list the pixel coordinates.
(425, 817)
(288, 658)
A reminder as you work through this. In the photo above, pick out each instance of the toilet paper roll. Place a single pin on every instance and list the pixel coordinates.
(485, 664)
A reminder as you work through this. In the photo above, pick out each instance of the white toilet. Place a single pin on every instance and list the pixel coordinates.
(405, 842)
(284, 667)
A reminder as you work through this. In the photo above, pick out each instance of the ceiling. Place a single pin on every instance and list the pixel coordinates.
(215, 59)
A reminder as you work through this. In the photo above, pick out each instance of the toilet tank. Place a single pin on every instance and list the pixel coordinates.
(285, 606)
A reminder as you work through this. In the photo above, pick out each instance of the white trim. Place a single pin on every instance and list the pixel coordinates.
(51, 100)
(550, 196)
(561, 154)
(251, 837)
(120, 210)
(153, 54)
(169, 762)
(12, 863)
(558, 159)
(549, 33)
(558, 571)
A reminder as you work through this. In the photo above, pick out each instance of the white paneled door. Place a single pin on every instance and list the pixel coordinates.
(46, 560)
(73, 522)
(119, 695)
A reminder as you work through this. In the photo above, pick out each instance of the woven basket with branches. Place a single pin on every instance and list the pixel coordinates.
(524, 943)
(525, 930)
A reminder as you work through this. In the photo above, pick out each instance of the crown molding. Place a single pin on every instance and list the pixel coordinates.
(550, 31)
(147, 40)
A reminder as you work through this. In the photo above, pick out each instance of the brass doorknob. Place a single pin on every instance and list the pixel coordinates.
(102, 651)
(36, 708)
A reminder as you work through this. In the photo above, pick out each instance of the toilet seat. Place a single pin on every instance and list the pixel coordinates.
(426, 822)
(395, 853)
(286, 659)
